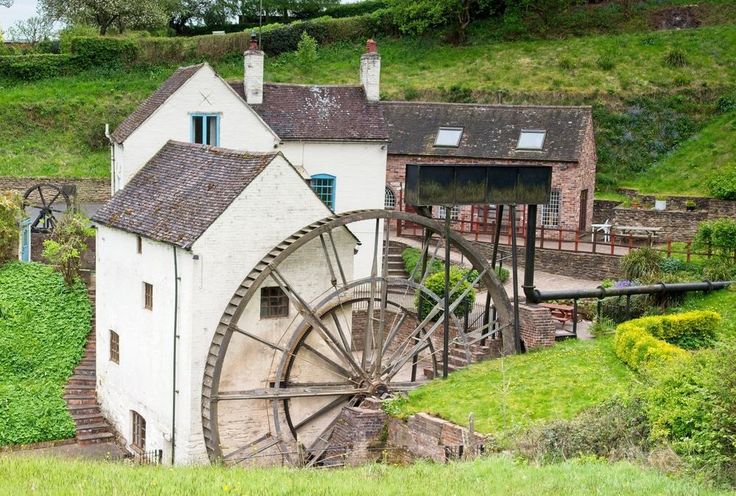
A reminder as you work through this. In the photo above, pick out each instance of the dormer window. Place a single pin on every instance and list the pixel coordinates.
(531, 139)
(449, 136)
(205, 129)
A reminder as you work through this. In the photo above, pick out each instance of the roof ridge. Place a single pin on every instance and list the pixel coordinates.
(495, 105)
(222, 150)
(300, 85)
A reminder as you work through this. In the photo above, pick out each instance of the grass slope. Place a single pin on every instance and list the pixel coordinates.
(496, 475)
(642, 106)
(722, 301)
(513, 392)
(691, 165)
(43, 328)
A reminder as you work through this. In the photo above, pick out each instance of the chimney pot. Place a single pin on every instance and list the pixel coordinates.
(371, 46)
(370, 71)
(253, 80)
(253, 42)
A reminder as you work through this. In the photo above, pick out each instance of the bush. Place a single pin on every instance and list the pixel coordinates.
(355, 9)
(67, 34)
(723, 186)
(99, 51)
(35, 66)
(692, 405)
(642, 265)
(718, 269)
(67, 245)
(11, 213)
(640, 350)
(436, 284)
(412, 256)
(718, 236)
(672, 265)
(306, 52)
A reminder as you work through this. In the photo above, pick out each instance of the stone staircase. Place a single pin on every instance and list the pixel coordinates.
(81, 396)
(458, 359)
(396, 264)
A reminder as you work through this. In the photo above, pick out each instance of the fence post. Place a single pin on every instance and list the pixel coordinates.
(669, 248)
(577, 238)
(687, 250)
(612, 242)
(541, 236)
(559, 238)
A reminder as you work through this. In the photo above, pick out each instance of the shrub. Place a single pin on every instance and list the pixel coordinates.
(67, 245)
(11, 213)
(675, 58)
(718, 269)
(306, 52)
(412, 256)
(718, 235)
(672, 265)
(67, 34)
(640, 350)
(692, 405)
(642, 264)
(436, 284)
(35, 66)
(723, 186)
(99, 51)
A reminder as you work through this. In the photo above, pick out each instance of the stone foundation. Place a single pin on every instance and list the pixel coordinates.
(89, 190)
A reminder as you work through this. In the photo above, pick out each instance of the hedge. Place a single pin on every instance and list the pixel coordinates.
(97, 51)
(647, 341)
(35, 66)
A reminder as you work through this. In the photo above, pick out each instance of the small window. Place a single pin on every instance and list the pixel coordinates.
(551, 211)
(138, 439)
(147, 296)
(324, 186)
(389, 199)
(139, 244)
(114, 347)
(448, 136)
(531, 140)
(454, 213)
(274, 303)
(206, 129)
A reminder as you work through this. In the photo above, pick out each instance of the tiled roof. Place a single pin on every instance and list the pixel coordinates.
(153, 102)
(181, 191)
(306, 112)
(489, 131)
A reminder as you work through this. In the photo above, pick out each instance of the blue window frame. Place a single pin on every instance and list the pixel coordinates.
(324, 186)
(205, 129)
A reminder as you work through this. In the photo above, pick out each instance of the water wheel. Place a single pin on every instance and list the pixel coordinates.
(42, 202)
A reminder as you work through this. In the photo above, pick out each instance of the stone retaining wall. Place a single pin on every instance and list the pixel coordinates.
(676, 225)
(89, 190)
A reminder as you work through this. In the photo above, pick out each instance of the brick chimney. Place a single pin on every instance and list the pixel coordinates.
(253, 83)
(370, 71)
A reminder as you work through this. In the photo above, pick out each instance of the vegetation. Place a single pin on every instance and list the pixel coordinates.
(10, 215)
(412, 256)
(67, 244)
(460, 283)
(642, 265)
(495, 475)
(514, 392)
(43, 328)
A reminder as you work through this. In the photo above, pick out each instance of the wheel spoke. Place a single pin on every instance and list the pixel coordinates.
(314, 415)
(368, 341)
(337, 259)
(279, 393)
(252, 449)
(376, 367)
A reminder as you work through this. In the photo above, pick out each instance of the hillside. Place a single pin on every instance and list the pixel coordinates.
(651, 91)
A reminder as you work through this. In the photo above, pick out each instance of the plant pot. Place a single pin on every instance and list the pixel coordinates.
(660, 204)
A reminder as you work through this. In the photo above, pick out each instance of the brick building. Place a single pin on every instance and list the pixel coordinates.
(561, 137)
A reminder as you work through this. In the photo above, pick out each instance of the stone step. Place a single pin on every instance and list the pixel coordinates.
(81, 400)
(85, 370)
(79, 379)
(95, 438)
(92, 428)
(88, 418)
(80, 389)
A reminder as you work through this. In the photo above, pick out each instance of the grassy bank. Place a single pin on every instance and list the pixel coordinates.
(514, 392)
(497, 475)
(43, 328)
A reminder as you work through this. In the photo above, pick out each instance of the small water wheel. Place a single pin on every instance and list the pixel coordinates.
(42, 202)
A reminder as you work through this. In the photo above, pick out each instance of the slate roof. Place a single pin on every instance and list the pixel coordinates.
(304, 112)
(489, 131)
(181, 191)
(153, 102)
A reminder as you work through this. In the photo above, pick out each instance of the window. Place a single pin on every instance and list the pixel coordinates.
(206, 129)
(454, 213)
(139, 431)
(531, 140)
(147, 296)
(274, 303)
(114, 347)
(448, 136)
(551, 211)
(324, 186)
(139, 244)
(389, 199)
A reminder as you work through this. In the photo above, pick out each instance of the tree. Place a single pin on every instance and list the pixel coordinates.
(417, 16)
(181, 12)
(6, 3)
(544, 10)
(11, 212)
(67, 245)
(107, 13)
(32, 30)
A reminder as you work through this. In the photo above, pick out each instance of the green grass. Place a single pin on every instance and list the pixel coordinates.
(496, 475)
(687, 170)
(722, 301)
(510, 393)
(43, 328)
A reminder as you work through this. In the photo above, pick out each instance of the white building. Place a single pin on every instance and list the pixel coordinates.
(208, 176)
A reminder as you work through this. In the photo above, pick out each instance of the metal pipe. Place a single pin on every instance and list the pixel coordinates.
(446, 339)
(515, 270)
(536, 296)
(494, 257)
(173, 382)
(531, 231)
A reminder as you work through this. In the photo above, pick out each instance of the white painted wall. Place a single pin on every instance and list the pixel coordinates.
(275, 205)
(205, 92)
(360, 171)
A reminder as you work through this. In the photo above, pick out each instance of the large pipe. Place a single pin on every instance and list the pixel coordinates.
(531, 242)
(536, 296)
(173, 367)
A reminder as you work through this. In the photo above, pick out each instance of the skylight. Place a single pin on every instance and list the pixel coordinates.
(531, 140)
(448, 136)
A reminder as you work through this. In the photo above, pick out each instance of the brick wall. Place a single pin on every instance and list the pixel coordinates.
(537, 326)
(569, 178)
(88, 190)
(358, 436)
